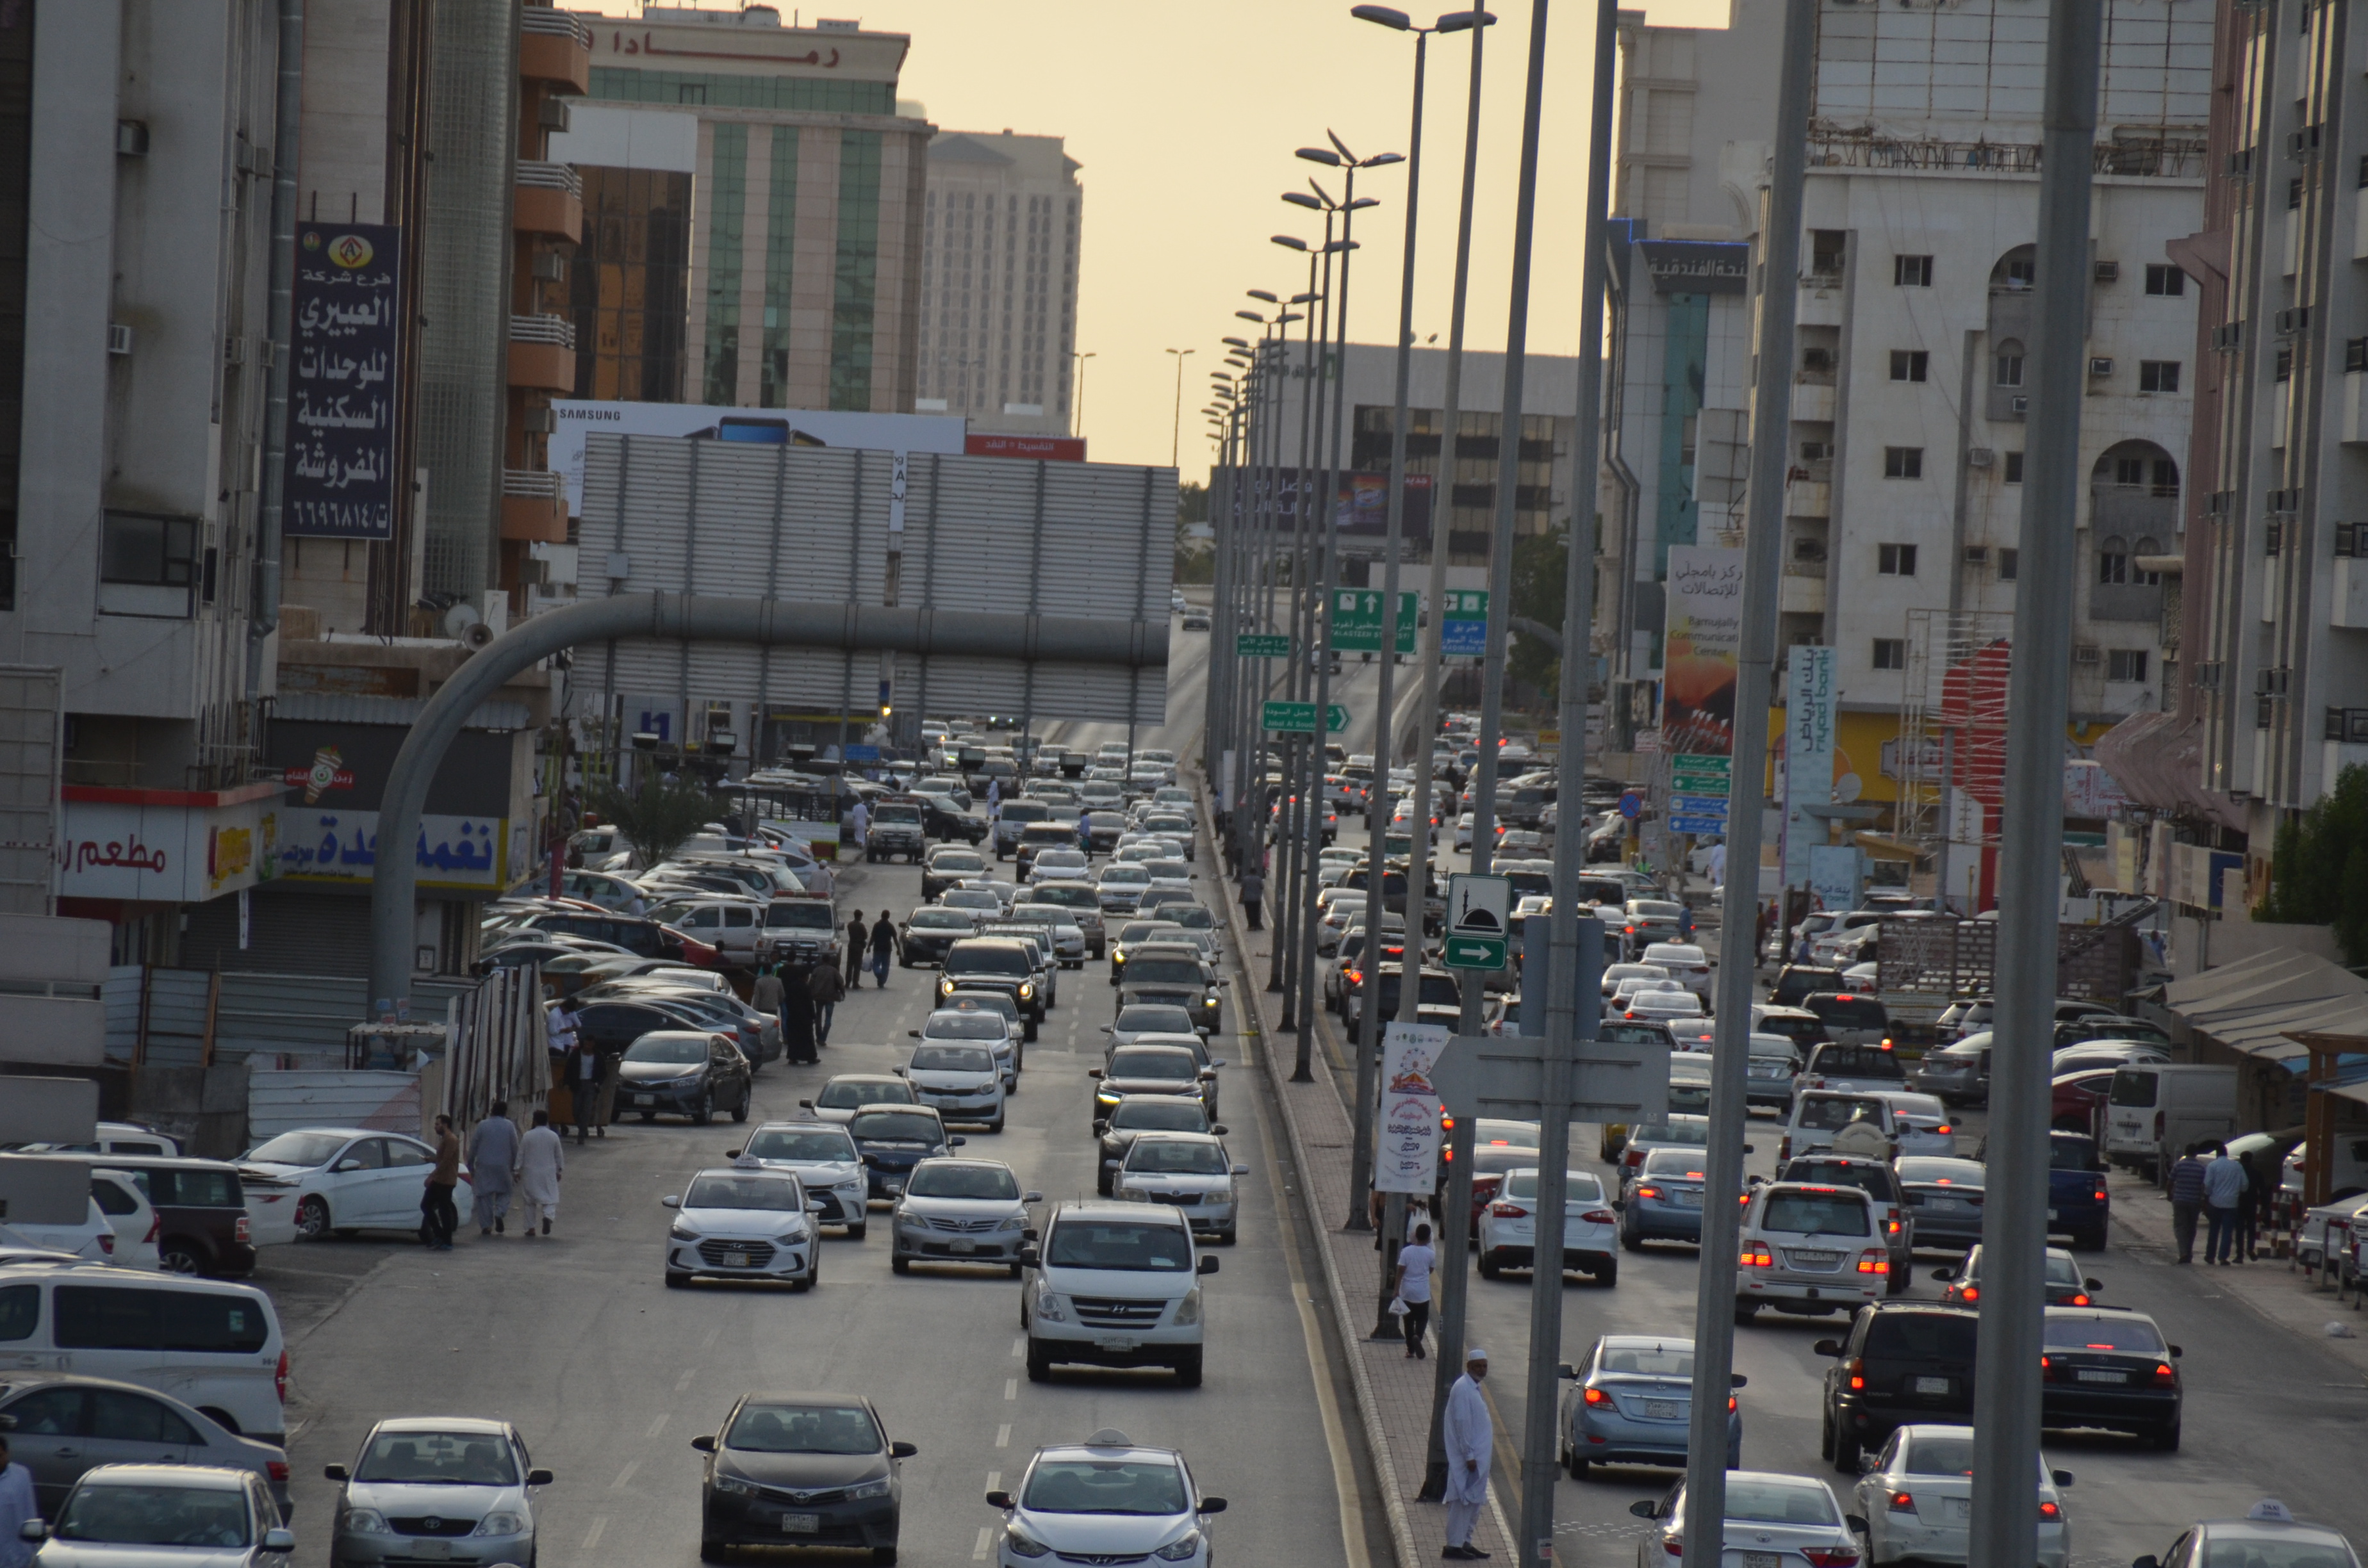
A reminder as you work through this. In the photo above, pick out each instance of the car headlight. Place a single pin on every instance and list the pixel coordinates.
(681, 1231)
(1106, 1097)
(1183, 1547)
(1017, 1223)
(503, 1523)
(365, 1521)
(945, 987)
(731, 1486)
(867, 1489)
(1026, 991)
(1051, 1309)
(1021, 1543)
(1188, 1310)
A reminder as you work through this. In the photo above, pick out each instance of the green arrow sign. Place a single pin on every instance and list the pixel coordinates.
(1261, 645)
(1299, 718)
(1697, 773)
(1357, 621)
(1476, 952)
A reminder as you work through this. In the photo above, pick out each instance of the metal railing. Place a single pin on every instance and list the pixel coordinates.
(552, 20)
(2171, 157)
(530, 482)
(551, 177)
(557, 331)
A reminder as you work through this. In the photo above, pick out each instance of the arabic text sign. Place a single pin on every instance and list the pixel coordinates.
(1357, 621)
(341, 393)
(178, 853)
(1809, 693)
(1706, 604)
(1463, 623)
(342, 846)
(1406, 1158)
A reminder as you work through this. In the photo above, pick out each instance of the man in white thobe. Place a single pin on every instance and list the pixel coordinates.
(1470, 1439)
(542, 1160)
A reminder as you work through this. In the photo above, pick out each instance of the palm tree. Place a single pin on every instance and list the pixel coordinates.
(658, 818)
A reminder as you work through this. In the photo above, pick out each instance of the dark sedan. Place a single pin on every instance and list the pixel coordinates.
(949, 868)
(800, 1470)
(2111, 1368)
(685, 1072)
(928, 932)
(893, 1139)
(1168, 976)
(1944, 1198)
(1135, 1114)
(1151, 1070)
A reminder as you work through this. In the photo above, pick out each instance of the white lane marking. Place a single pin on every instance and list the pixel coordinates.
(683, 1381)
(624, 1476)
(1003, 1435)
(658, 1425)
(1011, 1388)
(994, 1480)
(712, 1335)
(1019, 1346)
(592, 1535)
(986, 1539)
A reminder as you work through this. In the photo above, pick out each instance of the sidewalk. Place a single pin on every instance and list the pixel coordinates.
(1393, 1393)
(2274, 1288)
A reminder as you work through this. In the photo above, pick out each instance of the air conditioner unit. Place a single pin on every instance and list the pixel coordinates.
(234, 350)
(2087, 653)
(553, 114)
(2101, 366)
(132, 138)
(2229, 335)
(1980, 457)
(550, 266)
(118, 338)
(2109, 272)
(2020, 404)
(1977, 554)
(538, 421)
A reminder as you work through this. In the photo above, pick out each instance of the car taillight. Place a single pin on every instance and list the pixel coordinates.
(2079, 1299)
(1857, 1371)
(1597, 1396)
(1970, 1294)
(1942, 1128)
(245, 1231)
(1902, 1503)
(1730, 1404)
(277, 1469)
(155, 1229)
(1674, 1547)
(2101, 1195)
(1509, 1211)
(1756, 1256)
(1874, 1260)
(2047, 1369)
(1649, 1192)
(1599, 1217)
(107, 1243)
(280, 1378)
(2049, 1511)
(2164, 1374)
(1829, 1556)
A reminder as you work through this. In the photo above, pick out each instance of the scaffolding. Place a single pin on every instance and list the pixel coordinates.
(1953, 709)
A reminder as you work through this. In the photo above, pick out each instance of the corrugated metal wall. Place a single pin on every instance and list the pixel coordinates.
(809, 525)
(281, 1102)
(268, 1014)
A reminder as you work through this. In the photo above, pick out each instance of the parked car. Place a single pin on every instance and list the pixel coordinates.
(1630, 1403)
(1902, 1362)
(212, 1344)
(437, 1477)
(801, 1469)
(201, 1218)
(162, 1515)
(689, 1072)
(60, 1427)
(343, 1180)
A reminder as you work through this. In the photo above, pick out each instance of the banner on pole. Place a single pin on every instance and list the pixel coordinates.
(1700, 648)
(1808, 754)
(1405, 1156)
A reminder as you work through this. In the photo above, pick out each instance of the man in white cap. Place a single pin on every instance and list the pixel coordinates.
(1470, 1438)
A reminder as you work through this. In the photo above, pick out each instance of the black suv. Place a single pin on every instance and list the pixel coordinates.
(1903, 1361)
(999, 964)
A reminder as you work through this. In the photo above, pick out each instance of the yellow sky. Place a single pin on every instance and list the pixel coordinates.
(1185, 118)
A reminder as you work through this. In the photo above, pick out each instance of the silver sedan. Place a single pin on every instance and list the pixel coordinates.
(958, 1210)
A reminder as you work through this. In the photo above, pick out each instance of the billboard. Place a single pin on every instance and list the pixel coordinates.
(1698, 649)
(1048, 448)
(575, 419)
(1809, 696)
(1360, 507)
(339, 478)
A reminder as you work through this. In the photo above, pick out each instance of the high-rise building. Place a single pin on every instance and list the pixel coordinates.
(803, 287)
(999, 237)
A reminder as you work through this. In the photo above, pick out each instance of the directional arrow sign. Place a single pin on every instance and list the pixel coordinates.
(1299, 718)
(1699, 805)
(1699, 773)
(1477, 952)
(1261, 645)
(1504, 1075)
(1463, 623)
(1479, 922)
(1357, 621)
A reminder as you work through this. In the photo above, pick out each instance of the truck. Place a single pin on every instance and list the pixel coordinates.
(2155, 1109)
(895, 829)
(1925, 963)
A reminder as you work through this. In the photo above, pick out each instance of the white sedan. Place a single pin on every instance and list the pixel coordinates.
(1791, 1521)
(320, 1180)
(744, 1224)
(823, 1157)
(1924, 1123)
(1590, 1230)
(1917, 1501)
(959, 1078)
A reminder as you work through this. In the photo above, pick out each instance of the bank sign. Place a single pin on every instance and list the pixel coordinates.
(473, 853)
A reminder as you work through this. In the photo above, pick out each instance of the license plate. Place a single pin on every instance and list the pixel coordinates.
(2088, 1375)
(1931, 1385)
(801, 1524)
(2056, 1213)
(646, 1099)
(1761, 1558)
(1688, 1199)
(1115, 1341)
(1662, 1409)
(963, 1249)
(430, 1548)
(735, 1260)
(1942, 1205)
(1817, 1259)
(1958, 1510)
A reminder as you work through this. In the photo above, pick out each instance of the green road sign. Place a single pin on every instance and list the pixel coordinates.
(1476, 952)
(1464, 624)
(1299, 718)
(1357, 621)
(1697, 773)
(1261, 645)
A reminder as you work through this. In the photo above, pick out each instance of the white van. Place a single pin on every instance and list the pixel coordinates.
(207, 1343)
(2154, 1109)
(1116, 1285)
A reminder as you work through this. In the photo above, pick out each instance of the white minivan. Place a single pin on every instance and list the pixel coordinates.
(208, 1342)
(1115, 1285)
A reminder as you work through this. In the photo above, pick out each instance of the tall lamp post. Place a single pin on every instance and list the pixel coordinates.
(1078, 408)
(1176, 421)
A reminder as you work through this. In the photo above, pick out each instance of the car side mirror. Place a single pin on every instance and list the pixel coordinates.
(1736, 1380)
(2061, 1477)
(1106, 1028)
(1241, 1170)
(336, 1471)
(1030, 1234)
(2148, 1560)
(1646, 1508)
(1207, 1075)
(538, 1478)
(1218, 1062)
(1093, 1072)
(1208, 1266)
(1567, 1372)
(1826, 1348)
(671, 1201)
(731, 1153)
(343, 1165)
(956, 1142)
(1029, 1257)
(2176, 1352)
(813, 1205)
(805, 1105)
(910, 1034)
(704, 1445)
(898, 1070)
(1211, 1506)
(1944, 1273)
(279, 1540)
(1219, 1130)
(999, 1500)
(1101, 1125)
(2092, 1284)
(903, 1450)
(1748, 1149)
(1856, 1522)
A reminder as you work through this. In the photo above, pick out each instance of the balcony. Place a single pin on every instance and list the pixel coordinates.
(2350, 609)
(548, 199)
(1813, 399)
(2355, 429)
(2139, 511)
(534, 506)
(555, 46)
(542, 352)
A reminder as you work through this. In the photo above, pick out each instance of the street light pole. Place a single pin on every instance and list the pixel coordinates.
(1077, 409)
(1175, 422)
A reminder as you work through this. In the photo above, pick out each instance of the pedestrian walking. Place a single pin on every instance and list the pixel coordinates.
(1417, 1262)
(493, 1151)
(2223, 1186)
(797, 1024)
(823, 989)
(859, 823)
(1086, 832)
(18, 1509)
(764, 994)
(2186, 1200)
(1470, 1439)
(1253, 896)
(883, 947)
(583, 1085)
(439, 1218)
(541, 1162)
(859, 939)
(2262, 1175)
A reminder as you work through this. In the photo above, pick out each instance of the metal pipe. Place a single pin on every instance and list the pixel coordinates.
(1771, 427)
(287, 133)
(2014, 1217)
(1132, 644)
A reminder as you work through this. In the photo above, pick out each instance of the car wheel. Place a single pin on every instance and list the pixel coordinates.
(995, 1126)
(180, 1256)
(713, 1551)
(747, 1097)
(814, 1274)
(1895, 1281)
(899, 1264)
(1576, 1463)
(705, 1110)
(1746, 1313)
(1229, 1236)
(676, 1279)
(1825, 1435)
(1845, 1452)
(2167, 1438)
(1103, 1185)
(1188, 1369)
(1040, 1362)
(1609, 1274)
(856, 1231)
(1631, 1240)
(1028, 1034)
(883, 1554)
(311, 1219)
(1489, 1267)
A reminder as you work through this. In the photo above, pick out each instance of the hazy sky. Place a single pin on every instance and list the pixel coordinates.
(1185, 118)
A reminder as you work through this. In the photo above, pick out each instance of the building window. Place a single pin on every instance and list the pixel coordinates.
(2126, 665)
(1908, 364)
(2166, 477)
(1902, 463)
(2009, 564)
(2168, 281)
(2010, 363)
(855, 280)
(1912, 271)
(1895, 560)
(1891, 653)
(2138, 552)
(728, 174)
(2113, 559)
(2021, 271)
(2129, 470)
(152, 551)
(2014, 468)
(1827, 248)
(2159, 375)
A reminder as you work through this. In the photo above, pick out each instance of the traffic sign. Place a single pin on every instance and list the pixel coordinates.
(1697, 825)
(1699, 805)
(1300, 716)
(1356, 625)
(1261, 645)
(1631, 804)
(1479, 922)
(1477, 952)
(1699, 773)
(1463, 622)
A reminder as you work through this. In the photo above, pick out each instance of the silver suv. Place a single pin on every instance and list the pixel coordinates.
(1807, 1247)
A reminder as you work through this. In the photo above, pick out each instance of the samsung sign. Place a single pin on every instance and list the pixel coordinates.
(1697, 267)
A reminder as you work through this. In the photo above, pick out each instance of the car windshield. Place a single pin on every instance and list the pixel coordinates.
(1130, 874)
(156, 1515)
(1817, 1214)
(1658, 1360)
(1677, 1130)
(941, 919)
(803, 1430)
(2069, 1153)
(1190, 916)
(1130, 1245)
(1825, 1113)
(745, 1192)
(1856, 1062)
(971, 898)
(676, 1050)
(1145, 1018)
(1674, 1162)
(958, 860)
(905, 1125)
(935, 1179)
(2287, 1549)
(1163, 971)
(990, 1002)
(1774, 1502)
(1938, 1455)
(2131, 1333)
(439, 1459)
(800, 1145)
(807, 915)
(300, 1149)
(1160, 1114)
(846, 1094)
(1923, 1335)
(1166, 1155)
(969, 1025)
(1940, 1172)
(1655, 909)
(1577, 1187)
(988, 957)
(1105, 1486)
(1152, 1065)
(953, 1058)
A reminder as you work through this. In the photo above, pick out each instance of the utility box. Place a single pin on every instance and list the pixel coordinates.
(49, 1110)
(37, 1189)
